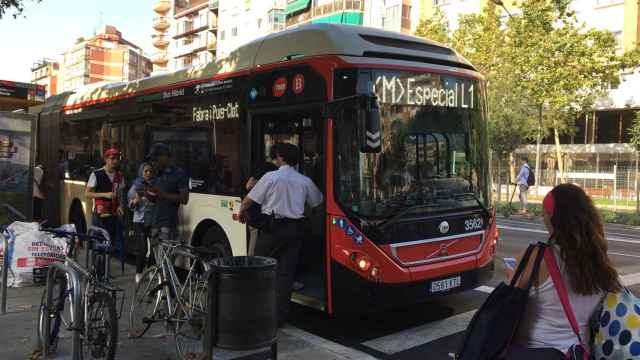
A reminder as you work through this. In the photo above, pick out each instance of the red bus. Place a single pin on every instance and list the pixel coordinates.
(392, 128)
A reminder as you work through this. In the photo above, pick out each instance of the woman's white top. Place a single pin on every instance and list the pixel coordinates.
(544, 323)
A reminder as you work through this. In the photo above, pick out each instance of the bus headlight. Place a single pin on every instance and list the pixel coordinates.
(363, 263)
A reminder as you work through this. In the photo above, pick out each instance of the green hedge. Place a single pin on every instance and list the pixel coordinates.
(608, 216)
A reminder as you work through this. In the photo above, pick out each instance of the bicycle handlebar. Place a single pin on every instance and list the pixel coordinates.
(71, 235)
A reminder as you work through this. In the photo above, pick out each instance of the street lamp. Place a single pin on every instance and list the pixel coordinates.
(501, 4)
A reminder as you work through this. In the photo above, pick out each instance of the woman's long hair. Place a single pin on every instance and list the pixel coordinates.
(579, 233)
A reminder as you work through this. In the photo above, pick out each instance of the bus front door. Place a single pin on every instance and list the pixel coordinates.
(303, 128)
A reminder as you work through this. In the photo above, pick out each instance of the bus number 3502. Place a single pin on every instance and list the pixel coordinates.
(473, 224)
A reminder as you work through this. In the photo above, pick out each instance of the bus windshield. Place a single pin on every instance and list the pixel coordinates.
(433, 158)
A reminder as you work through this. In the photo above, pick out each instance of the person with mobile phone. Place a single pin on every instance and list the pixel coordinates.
(142, 210)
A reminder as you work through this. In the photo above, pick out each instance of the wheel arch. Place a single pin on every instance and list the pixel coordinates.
(204, 227)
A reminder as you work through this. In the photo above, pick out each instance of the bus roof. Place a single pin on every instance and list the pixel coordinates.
(304, 41)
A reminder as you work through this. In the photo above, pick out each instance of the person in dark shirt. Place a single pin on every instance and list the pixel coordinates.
(169, 189)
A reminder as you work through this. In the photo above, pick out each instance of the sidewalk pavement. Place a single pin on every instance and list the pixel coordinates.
(18, 334)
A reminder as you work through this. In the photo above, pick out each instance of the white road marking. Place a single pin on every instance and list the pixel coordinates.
(485, 289)
(341, 352)
(537, 226)
(619, 254)
(514, 228)
(630, 279)
(420, 335)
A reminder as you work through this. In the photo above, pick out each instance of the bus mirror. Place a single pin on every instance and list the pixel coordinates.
(369, 126)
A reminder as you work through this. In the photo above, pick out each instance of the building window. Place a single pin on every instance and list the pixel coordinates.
(440, 2)
(277, 20)
(259, 23)
(222, 35)
(618, 36)
(234, 31)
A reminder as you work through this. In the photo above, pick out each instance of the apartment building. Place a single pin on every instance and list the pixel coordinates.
(104, 57)
(45, 72)
(194, 29)
(393, 15)
(242, 21)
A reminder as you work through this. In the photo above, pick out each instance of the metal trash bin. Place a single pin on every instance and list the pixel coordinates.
(242, 304)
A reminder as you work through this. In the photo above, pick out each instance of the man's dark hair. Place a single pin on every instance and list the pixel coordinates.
(289, 153)
(525, 159)
(157, 150)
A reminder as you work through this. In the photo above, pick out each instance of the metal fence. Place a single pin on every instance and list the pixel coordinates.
(610, 186)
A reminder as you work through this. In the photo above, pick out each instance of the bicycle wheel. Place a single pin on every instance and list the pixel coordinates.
(146, 302)
(101, 333)
(190, 321)
(54, 314)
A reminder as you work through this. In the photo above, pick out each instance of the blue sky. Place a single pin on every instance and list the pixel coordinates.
(52, 26)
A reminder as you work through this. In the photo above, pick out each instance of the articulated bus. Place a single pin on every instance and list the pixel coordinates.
(391, 128)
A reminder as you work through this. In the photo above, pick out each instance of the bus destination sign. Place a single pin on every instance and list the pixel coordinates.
(426, 90)
(225, 111)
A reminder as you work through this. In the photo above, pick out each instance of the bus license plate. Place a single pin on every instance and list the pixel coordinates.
(446, 284)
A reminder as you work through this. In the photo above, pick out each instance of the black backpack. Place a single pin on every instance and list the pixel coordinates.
(531, 179)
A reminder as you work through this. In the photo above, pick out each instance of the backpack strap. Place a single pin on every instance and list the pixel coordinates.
(558, 282)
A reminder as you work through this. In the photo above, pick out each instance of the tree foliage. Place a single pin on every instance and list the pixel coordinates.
(634, 131)
(543, 67)
(16, 6)
(435, 28)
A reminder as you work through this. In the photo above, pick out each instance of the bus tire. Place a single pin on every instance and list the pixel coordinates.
(215, 239)
(76, 217)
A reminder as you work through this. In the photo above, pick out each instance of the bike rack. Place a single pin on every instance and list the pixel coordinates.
(74, 280)
(5, 272)
(88, 252)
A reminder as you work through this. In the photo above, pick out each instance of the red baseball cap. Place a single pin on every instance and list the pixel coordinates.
(111, 152)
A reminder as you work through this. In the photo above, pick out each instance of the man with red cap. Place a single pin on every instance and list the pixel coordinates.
(105, 187)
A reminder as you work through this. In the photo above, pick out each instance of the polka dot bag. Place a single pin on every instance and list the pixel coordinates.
(618, 333)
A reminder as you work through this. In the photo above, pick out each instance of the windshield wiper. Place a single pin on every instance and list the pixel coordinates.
(475, 197)
(404, 212)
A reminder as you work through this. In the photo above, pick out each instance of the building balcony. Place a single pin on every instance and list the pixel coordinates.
(161, 23)
(213, 24)
(160, 41)
(326, 10)
(212, 46)
(162, 6)
(160, 58)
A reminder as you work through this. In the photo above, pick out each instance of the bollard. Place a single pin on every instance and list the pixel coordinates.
(5, 271)
(73, 281)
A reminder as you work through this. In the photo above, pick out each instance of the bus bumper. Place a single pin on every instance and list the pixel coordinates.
(352, 293)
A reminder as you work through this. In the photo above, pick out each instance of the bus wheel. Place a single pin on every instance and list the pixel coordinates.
(216, 240)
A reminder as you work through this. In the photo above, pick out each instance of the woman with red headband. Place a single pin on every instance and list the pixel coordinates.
(576, 236)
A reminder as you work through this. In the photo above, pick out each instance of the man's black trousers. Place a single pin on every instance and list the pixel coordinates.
(283, 243)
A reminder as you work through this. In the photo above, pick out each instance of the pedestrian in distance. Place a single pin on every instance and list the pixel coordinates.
(282, 195)
(142, 211)
(105, 187)
(576, 238)
(522, 180)
(39, 190)
(168, 191)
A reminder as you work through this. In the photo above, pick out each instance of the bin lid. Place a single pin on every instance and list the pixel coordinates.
(243, 263)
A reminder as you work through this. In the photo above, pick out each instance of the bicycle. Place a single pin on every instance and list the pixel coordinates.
(161, 296)
(95, 324)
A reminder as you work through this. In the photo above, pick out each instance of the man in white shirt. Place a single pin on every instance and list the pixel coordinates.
(282, 194)
(105, 187)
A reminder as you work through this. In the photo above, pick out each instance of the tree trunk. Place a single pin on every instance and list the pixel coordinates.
(636, 187)
(538, 141)
(499, 179)
(556, 135)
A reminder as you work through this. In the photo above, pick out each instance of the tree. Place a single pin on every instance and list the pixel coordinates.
(435, 28)
(16, 5)
(634, 134)
(562, 66)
